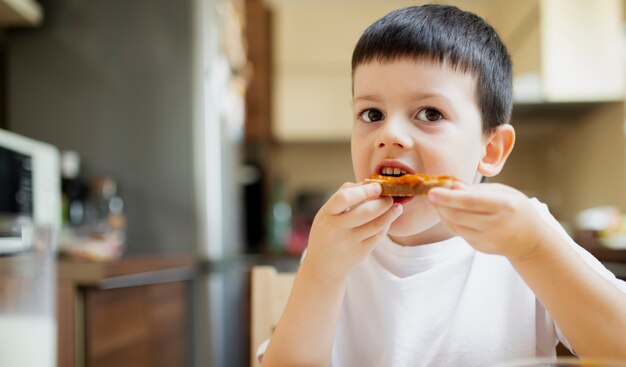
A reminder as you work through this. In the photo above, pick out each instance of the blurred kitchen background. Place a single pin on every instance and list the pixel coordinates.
(214, 129)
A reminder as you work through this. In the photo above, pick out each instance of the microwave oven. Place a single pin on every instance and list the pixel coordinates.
(30, 190)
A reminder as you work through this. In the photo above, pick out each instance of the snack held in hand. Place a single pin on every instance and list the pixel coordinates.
(411, 184)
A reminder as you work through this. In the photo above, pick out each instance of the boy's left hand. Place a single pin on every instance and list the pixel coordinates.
(493, 218)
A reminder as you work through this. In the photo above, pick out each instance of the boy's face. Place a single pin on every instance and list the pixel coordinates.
(420, 117)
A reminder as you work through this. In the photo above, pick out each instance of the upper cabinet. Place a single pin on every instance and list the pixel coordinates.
(20, 13)
(312, 46)
(562, 51)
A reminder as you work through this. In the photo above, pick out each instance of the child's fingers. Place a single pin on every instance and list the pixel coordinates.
(466, 219)
(370, 243)
(459, 185)
(470, 200)
(350, 196)
(349, 184)
(365, 212)
(379, 224)
(469, 234)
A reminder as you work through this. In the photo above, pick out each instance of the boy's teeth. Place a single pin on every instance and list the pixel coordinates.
(393, 171)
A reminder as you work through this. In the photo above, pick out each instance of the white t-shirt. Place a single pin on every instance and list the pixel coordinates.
(443, 304)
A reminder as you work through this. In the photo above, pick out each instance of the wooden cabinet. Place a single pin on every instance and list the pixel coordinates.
(562, 50)
(132, 312)
(311, 77)
(258, 95)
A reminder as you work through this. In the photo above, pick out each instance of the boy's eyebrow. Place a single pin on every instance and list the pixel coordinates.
(416, 96)
(371, 98)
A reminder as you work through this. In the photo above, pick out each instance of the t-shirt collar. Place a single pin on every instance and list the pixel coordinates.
(453, 244)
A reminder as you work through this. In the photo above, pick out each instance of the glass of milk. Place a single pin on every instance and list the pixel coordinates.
(27, 302)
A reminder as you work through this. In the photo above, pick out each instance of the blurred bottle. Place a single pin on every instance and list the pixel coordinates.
(105, 210)
(307, 203)
(73, 190)
(279, 219)
(101, 236)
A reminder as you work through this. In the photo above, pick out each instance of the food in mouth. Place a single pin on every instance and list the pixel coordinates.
(410, 184)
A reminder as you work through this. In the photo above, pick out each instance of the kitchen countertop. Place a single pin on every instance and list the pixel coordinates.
(614, 260)
(126, 272)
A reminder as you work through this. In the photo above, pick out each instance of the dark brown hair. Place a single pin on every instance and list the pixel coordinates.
(442, 33)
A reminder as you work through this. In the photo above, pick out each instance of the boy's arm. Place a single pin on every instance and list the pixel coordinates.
(344, 231)
(589, 310)
(496, 219)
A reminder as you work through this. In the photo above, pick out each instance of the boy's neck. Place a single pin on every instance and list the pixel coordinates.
(436, 233)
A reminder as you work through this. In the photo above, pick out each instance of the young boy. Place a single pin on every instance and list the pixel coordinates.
(469, 276)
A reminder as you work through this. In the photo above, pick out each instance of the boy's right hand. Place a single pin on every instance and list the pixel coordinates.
(347, 228)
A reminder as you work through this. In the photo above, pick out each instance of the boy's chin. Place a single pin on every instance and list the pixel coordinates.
(407, 226)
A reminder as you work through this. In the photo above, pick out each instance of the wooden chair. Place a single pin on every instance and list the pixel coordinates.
(270, 291)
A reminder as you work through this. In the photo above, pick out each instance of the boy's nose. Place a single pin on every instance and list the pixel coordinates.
(393, 135)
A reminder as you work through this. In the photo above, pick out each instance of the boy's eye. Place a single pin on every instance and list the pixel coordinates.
(371, 115)
(429, 114)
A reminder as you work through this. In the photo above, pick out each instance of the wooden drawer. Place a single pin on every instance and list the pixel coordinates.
(137, 326)
(130, 312)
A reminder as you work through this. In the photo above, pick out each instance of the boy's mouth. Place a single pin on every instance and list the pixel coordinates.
(392, 171)
(392, 168)
(401, 199)
(395, 172)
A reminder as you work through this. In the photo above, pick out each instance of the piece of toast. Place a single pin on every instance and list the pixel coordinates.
(411, 184)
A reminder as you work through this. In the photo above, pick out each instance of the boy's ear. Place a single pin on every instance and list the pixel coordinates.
(498, 146)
